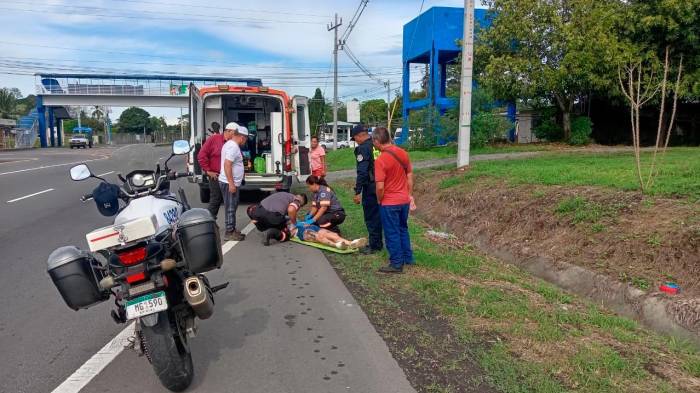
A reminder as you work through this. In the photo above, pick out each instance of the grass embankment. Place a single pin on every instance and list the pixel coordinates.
(345, 159)
(459, 319)
(678, 175)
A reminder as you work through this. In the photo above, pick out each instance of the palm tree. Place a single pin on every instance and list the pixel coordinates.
(8, 102)
(97, 112)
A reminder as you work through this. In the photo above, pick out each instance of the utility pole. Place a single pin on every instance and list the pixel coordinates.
(336, 45)
(182, 126)
(388, 105)
(465, 101)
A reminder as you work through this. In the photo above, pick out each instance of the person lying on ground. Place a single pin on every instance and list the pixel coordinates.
(316, 234)
(275, 212)
(326, 211)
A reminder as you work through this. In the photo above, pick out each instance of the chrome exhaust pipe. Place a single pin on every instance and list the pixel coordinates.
(197, 295)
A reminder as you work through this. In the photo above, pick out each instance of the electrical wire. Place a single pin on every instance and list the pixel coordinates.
(170, 58)
(217, 8)
(353, 21)
(110, 15)
(27, 65)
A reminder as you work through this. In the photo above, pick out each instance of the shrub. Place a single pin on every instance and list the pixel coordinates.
(488, 127)
(581, 129)
(548, 130)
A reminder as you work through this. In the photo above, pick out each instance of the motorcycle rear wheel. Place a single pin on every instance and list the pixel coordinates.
(168, 353)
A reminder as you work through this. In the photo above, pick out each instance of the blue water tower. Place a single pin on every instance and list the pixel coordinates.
(432, 38)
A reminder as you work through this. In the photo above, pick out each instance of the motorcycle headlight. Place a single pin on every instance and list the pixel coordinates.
(138, 180)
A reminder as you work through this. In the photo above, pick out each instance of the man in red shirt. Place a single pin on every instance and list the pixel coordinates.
(209, 158)
(393, 175)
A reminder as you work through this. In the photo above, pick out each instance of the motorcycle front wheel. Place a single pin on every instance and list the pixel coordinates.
(168, 353)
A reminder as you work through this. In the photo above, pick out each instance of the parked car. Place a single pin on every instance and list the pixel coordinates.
(80, 140)
(328, 144)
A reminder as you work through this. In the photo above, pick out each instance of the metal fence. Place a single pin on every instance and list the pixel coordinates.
(158, 137)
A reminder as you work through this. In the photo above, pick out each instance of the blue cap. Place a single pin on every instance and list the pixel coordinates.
(357, 130)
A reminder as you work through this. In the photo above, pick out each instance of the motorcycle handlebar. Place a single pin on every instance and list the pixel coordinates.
(175, 175)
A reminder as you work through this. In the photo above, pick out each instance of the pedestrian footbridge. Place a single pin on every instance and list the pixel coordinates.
(60, 90)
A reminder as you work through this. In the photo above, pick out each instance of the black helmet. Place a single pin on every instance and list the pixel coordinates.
(106, 197)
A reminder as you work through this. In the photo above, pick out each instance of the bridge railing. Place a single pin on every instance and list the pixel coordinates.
(155, 85)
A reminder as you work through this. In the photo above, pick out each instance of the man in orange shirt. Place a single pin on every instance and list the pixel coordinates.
(393, 174)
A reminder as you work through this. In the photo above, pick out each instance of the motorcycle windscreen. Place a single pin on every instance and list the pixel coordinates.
(302, 137)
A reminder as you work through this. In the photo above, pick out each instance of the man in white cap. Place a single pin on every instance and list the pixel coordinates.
(231, 178)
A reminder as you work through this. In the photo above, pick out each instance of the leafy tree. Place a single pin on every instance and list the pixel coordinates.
(661, 25)
(317, 108)
(556, 49)
(156, 124)
(8, 102)
(25, 105)
(342, 112)
(373, 112)
(134, 119)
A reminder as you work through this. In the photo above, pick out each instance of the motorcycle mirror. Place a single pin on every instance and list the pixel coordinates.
(80, 172)
(181, 147)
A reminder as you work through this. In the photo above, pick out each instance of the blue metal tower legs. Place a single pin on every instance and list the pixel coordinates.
(51, 126)
(41, 112)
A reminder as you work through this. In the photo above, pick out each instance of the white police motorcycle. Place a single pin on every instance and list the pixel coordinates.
(150, 260)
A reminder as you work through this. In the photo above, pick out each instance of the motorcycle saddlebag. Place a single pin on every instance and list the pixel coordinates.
(200, 241)
(71, 270)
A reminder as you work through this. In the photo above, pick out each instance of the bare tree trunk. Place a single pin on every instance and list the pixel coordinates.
(671, 120)
(662, 110)
(675, 104)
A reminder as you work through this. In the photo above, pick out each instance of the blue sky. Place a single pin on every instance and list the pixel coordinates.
(285, 43)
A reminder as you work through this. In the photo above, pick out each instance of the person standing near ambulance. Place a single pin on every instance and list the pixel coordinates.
(209, 158)
(365, 188)
(231, 177)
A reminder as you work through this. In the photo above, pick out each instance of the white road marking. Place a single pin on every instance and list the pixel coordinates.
(30, 195)
(248, 228)
(18, 161)
(90, 369)
(105, 174)
(51, 166)
(226, 247)
(123, 147)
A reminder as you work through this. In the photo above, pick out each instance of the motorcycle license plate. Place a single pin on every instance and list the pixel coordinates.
(146, 304)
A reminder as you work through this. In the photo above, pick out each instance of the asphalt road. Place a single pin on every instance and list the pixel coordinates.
(286, 323)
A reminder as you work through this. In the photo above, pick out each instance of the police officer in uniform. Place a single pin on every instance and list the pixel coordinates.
(365, 190)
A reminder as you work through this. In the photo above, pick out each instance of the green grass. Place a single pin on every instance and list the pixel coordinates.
(678, 174)
(482, 298)
(342, 159)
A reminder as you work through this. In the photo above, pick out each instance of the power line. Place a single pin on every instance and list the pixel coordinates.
(138, 54)
(355, 18)
(217, 8)
(110, 15)
(28, 65)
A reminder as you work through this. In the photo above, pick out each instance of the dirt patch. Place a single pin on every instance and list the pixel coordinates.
(421, 341)
(637, 240)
